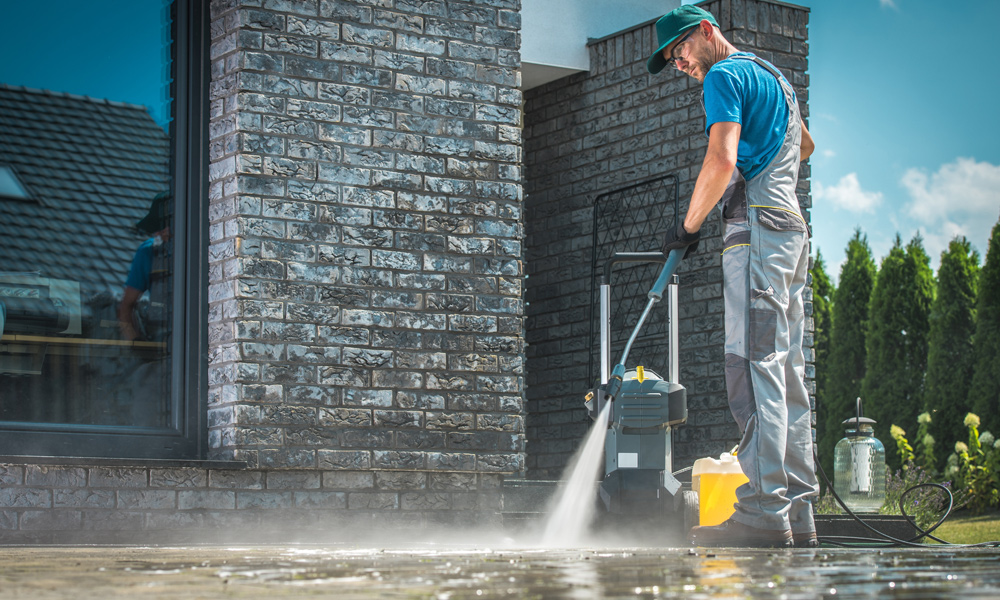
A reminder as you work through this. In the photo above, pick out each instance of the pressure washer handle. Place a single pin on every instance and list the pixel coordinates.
(673, 260)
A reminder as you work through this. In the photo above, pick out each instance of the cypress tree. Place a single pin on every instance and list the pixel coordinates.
(950, 358)
(822, 292)
(985, 386)
(845, 362)
(918, 265)
(892, 389)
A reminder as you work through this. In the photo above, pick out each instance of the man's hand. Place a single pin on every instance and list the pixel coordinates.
(680, 238)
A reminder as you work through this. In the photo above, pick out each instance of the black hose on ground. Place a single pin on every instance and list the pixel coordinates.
(887, 541)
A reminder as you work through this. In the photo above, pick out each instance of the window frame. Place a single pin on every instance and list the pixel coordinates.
(186, 436)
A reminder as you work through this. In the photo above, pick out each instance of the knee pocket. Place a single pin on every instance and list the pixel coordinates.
(742, 403)
(763, 334)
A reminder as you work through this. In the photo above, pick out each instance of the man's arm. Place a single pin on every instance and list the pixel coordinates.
(716, 171)
(808, 145)
(126, 313)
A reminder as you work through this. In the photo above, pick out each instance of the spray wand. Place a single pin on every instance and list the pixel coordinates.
(607, 391)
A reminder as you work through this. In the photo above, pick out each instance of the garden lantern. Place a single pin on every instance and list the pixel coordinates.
(859, 466)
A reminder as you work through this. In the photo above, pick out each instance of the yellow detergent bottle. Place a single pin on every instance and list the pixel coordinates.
(716, 482)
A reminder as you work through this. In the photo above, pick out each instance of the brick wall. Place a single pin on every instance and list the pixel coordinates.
(595, 132)
(365, 302)
(114, 502)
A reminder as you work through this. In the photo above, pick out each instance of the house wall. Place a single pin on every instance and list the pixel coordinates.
(365, 314)
(599, 131)
(365, 245)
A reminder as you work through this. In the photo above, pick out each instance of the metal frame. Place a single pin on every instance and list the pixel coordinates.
(630, 232)
(673, 335)
(186, 436)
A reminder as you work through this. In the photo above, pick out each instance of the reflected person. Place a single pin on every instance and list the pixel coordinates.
(148, 272)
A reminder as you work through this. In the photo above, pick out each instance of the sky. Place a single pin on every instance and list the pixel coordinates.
(903, 100)
(115, 50)
(903, 106)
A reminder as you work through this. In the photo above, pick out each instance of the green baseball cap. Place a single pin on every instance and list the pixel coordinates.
(671, 26)
(157, 218)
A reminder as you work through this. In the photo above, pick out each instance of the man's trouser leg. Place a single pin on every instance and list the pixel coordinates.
(799, 465)
(764, 278)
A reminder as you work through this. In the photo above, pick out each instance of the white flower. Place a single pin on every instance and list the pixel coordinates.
(971, 420)
(986, 438)
(924, 418)
(961, 447)
(996, 445)
(952, 460)
(928, 440)
(896, 432)
(951, 471)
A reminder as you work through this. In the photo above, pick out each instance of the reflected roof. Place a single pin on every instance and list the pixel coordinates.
(92, 167)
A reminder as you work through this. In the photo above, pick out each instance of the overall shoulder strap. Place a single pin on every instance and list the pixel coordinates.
(785, 86)
(764, 64)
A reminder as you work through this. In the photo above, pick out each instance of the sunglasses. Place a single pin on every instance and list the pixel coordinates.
(672, 61)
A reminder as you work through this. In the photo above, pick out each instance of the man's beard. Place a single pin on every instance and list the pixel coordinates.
(700, 64)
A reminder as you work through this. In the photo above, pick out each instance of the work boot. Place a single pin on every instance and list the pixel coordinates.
(733, 534)
(806, 539)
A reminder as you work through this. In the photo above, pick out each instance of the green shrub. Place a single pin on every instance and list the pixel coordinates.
(925, 457)
(925, 505)
(974, 468)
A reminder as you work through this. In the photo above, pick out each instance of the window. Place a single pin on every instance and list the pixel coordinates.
(10, 185)
(103, 119)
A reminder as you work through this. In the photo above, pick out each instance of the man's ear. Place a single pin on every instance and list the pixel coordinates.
(707, 29)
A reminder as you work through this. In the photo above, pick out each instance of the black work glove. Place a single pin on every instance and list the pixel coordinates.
(679, 238)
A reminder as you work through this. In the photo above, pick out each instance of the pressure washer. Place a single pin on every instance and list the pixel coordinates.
(645, 408)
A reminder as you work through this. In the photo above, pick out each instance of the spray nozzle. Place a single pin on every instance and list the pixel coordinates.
(614, 384)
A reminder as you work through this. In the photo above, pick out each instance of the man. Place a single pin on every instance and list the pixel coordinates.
(756, 140)
(148, 273)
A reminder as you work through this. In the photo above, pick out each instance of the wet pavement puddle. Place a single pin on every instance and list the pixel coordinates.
(428, 571)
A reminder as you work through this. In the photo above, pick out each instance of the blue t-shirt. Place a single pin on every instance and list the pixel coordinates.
(741, 91)
(142, 267)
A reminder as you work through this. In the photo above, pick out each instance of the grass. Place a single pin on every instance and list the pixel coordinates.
(965, 528)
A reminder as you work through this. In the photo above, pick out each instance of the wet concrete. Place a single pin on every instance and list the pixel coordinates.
(426, 570)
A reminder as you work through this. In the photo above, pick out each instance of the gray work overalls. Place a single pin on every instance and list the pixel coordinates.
(765, 264)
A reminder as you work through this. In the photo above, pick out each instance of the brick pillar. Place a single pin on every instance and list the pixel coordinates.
(599, 131)
(365, 301)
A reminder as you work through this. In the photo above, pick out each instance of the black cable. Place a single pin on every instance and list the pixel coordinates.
(887, 540)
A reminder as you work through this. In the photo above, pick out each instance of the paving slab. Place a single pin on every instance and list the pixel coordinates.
(472, 570)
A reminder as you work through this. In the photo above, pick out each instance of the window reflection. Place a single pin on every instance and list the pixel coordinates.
(85, 251)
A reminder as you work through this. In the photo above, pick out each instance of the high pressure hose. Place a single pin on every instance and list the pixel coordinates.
(885, 540)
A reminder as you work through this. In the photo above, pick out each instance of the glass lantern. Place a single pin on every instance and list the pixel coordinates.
(859, 467)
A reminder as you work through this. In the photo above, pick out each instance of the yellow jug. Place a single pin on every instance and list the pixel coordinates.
(716, 482)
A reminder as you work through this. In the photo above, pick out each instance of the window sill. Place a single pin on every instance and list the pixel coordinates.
(78, 461)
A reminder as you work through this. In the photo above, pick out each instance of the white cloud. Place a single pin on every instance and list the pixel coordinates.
(963, 187)
(960, 198)
(888, 4)
(848, 195)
